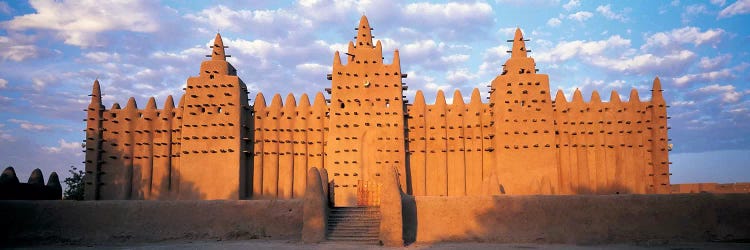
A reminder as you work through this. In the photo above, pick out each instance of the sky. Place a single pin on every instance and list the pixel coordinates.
(52, 51)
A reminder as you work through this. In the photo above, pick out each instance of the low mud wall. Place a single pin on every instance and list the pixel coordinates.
(84, 222)
(578, 219)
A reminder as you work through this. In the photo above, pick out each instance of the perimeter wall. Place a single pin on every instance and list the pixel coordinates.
(579, 219)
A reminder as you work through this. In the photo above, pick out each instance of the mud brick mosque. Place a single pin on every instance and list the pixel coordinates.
(215, 144)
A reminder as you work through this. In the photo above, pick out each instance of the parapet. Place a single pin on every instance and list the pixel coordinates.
(33, 189)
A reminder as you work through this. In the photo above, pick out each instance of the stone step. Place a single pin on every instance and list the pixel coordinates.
(354, 232)
(363, 219)
(354, 224)
(346, 220)
(373, 239)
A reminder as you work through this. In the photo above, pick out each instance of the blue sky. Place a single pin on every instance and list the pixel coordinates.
(51, 52)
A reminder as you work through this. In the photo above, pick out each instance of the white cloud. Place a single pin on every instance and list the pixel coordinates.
(728, 93)
(101, 57)
(27, 125)
(646, 62)
(685, 35)
(737, 8)
(607, 12)
(508, 31)
(716, 62)
(65, 147)
(682, 103)
(78, 22)
(567, 50)
(572, 4)
(460, 76)
(493, 59)
(263, 23)
(553, 22)
(695, 9)
(3, 83)
(706, 76)
(313, 69)
(718, 2)
(550, 3)
(5, 135)
(449, 15)
(580, 16)
(17, 48)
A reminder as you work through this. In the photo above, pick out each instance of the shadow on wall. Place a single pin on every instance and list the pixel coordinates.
(140, 176)
(577, 219)
(34, 189)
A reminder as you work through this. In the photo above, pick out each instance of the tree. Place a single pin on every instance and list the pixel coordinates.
(75, 184)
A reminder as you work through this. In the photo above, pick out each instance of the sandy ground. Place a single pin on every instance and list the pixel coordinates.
(262, 244)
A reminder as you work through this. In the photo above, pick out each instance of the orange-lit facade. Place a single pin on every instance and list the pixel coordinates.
(215, 145)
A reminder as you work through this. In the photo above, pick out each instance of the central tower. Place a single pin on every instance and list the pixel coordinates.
(366, 134)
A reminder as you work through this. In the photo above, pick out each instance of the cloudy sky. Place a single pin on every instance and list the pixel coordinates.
(51, 52)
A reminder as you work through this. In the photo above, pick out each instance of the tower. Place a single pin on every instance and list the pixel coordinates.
(93, 142)
(366, 113)
(216, 141)
(526, 161)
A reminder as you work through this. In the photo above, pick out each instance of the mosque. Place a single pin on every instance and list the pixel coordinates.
(215, 144)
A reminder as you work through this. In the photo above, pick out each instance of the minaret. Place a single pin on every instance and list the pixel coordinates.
(660, 146)
(366, 119)
(364, 33)
(523, 123)
(215, 152)
(94, 117)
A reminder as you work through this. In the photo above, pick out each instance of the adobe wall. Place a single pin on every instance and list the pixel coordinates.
(97, 222)
(578, 219)
(721, 188)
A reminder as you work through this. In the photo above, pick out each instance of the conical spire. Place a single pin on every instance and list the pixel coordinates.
(116, 105)
(336, 59)
(458, 99)
(36, 178)
(9, 176)
(440, 98)
(419, 98)
(131, 104)
(290, 104)
(96, 96)
(614, 97)
(634, 96)
(96, 92)
(519, 45)
(396, 60)
(304, 100)
(276, 101)
(476, 97)
(260, 101)
(577, 96)
(151, 105)
(364, 34)
(218, 49)
(595, 97)
(320, 100)
(53, 181)
(169, 103)
(560, 97)
(656, 91)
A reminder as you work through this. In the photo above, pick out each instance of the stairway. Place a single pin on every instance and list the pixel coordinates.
(354, 224)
